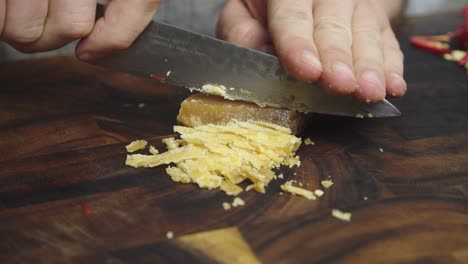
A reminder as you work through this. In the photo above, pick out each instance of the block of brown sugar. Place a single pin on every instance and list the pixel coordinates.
(201, 109)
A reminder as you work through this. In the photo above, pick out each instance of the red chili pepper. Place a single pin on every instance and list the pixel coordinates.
(461, 34)
(463, 30)
(466, 23)
(427, 43)
(87, 209)
(439, 38)
(464, 60)
(157, 77)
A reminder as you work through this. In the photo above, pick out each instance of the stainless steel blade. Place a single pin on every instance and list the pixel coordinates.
(192, 60)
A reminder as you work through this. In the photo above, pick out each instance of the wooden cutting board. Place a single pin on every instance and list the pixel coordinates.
(66, 196)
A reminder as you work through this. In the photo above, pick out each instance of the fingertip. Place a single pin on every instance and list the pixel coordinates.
(79, 52)
(291, 29)
(340, 79)
(123, 21)
(236, 25)
(396, 85)
(371, 87)
(310, 65)
(82, 52)
(303, 64)
(86, 51)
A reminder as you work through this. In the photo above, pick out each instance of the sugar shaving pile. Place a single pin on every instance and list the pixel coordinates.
(224, 156)
(214, 156)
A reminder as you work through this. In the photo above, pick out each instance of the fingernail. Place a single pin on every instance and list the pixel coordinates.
(310, 59)
(373, 78)
(342, 69)
(397, 85)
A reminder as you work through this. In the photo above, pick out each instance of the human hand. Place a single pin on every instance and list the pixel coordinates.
(348, 45)
(42, 25)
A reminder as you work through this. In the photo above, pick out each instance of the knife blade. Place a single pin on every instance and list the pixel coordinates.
(183, 58)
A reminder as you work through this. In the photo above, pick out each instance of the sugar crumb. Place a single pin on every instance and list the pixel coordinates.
(318, 193)
(243, 91)
(153, 150)
(344, 216)
(327, 183)
(226, 206)
(170, 235)
(214, 89)
(136, 145)
(308, 141)
(288, 187)
(238, 202)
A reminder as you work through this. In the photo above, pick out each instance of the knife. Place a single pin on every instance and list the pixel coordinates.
(183, 58)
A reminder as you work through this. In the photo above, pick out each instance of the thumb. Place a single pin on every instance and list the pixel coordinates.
(237, 25)
(122, 23)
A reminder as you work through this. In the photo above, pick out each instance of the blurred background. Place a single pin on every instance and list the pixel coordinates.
(201, 16)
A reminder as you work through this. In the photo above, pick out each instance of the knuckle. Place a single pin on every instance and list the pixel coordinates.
(370, 33)
(402, 55)
(336, 51)
(395, 52)
(399, 55)
(291, 14)
(238, 32)
(331, 24)
(367, 62)
(25, 34)
(77, 29)
(393, 67)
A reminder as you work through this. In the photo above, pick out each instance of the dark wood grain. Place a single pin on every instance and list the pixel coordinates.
(66, 196)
